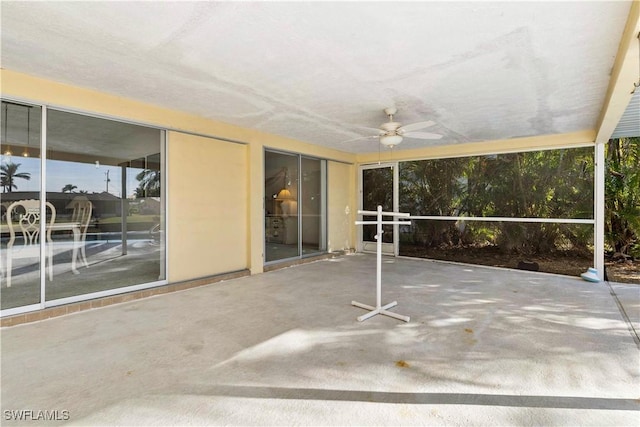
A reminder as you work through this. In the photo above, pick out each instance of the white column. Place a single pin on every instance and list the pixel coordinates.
(43, 206)
(396, 207)
(379, 259)
(598, 232)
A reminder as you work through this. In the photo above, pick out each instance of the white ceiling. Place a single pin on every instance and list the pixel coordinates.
(321, 72)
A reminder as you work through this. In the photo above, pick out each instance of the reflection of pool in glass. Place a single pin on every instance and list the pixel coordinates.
(114, 166)
(108, 269)
(116, 236)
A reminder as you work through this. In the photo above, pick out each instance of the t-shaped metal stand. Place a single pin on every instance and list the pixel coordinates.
(379, 308)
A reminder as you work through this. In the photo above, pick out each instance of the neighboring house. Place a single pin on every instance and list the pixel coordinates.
(145, 206)
(104, 204)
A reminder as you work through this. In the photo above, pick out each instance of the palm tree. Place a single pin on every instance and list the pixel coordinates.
(69, 188)
(9, 173)
(149, 183)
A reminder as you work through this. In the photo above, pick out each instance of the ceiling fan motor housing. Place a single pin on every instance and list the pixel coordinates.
(390, 127)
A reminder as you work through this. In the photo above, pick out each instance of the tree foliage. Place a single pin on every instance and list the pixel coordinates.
(622, 196)
(538, 184)
(9, 174)
(377, 190)
(149, 183)
(433, 187)
(68, 188)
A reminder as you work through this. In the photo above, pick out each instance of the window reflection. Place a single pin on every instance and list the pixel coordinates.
(112, 171)
(281, 206)
(19, 261)
(311, 205)
(294, 206)
(105, 215)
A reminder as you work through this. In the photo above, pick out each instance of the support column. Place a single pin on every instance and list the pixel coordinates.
(255, 217)
(124, 205)
(598, 232)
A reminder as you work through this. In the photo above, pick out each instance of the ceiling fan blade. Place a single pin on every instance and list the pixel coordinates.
(360, 138)
(371, 130)
(416, 126)
(422, 135)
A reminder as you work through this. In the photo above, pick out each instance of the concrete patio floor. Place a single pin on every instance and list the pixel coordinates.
(484, 346)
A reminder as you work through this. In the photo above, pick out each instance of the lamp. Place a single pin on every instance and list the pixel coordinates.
(390, 140)
(288, 203)
(284, 194)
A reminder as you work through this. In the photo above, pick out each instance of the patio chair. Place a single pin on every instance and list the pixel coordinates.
(23, 217)
(82, 210)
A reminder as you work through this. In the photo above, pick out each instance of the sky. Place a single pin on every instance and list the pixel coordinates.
(87, 177)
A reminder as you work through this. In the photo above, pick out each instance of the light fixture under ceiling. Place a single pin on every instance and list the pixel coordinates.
(390, 140)
(392, 133)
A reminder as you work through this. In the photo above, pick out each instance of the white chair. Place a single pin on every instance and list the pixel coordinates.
(23, 217)
(82, 209)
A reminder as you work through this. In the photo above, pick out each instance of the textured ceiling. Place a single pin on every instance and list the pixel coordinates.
(322, 72)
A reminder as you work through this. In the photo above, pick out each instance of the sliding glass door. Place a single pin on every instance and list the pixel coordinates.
(21, 173)
(103, 177)
(312, 205)
(295, 219)
(102, 227)
(281, 206)
(377, 189)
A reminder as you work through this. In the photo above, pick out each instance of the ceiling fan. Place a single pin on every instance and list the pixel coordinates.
(391, 133)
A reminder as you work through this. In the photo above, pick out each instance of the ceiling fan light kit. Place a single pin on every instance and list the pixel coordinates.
(390, 140)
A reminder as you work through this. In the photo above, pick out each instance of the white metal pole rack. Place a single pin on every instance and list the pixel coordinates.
(379, 308)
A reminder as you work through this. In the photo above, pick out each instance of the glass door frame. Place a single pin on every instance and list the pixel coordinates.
(164, 263)
(387, 248)
(324, 171)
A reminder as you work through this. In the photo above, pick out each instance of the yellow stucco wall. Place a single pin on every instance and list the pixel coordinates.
(207, 214)
(223, 180)
(341, 206)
